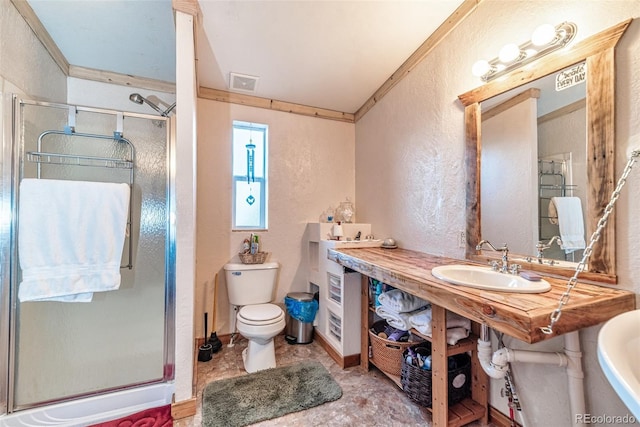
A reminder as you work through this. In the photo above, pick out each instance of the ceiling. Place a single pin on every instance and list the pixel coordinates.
(324, 54)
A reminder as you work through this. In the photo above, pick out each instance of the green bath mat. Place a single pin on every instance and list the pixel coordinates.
(267, 394)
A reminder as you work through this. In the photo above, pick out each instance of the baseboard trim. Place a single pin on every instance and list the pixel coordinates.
(184, 408)
(499, 419)
(351, 361)
(343, 362)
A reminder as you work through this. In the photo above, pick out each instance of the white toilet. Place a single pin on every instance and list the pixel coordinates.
(251, 287)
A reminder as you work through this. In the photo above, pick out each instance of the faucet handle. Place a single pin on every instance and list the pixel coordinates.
(515, 268)
(495, 265)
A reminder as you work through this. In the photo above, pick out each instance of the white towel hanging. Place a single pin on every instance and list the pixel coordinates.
(570, 222)
(70, 238)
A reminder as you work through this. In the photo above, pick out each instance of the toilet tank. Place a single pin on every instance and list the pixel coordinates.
(251, 283)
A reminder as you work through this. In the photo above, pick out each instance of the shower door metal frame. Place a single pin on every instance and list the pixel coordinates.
(6, 144)
(11, 146)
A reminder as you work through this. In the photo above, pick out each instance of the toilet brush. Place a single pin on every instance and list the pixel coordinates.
(214, 341)
(205, 352)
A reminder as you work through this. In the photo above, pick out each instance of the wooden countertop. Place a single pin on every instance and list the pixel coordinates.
(516, 314)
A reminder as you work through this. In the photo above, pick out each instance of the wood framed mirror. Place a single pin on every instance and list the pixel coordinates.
(597, 52)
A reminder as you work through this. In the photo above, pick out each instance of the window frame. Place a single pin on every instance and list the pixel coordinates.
(257, 129)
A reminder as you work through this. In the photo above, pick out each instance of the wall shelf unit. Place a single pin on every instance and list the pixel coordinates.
(338, 320)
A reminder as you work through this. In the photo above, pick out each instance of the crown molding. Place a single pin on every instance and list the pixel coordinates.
(273, 104)
(121, 79)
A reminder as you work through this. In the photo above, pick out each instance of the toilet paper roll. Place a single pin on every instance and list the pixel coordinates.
(337, 230)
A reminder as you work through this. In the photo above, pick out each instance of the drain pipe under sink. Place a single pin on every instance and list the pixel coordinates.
(496, 365)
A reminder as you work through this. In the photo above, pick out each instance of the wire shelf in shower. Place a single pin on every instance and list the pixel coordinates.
(76, 160)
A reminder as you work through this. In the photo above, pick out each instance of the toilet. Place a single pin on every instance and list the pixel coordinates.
(251, 287)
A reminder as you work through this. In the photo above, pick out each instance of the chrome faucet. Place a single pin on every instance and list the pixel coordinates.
(541, 247)
(504, 265)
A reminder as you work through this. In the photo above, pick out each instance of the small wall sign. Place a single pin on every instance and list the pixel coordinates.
(571, 77)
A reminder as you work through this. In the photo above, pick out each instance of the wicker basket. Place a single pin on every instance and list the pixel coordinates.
(385, 354)
(253, 258)
(416, 382)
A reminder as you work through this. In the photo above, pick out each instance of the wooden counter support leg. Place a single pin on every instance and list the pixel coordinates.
(439, 367)
(364, 323)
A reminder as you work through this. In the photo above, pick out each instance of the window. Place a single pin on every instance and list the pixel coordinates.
(249, 176)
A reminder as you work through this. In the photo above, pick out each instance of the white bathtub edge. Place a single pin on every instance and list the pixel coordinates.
(92, 410)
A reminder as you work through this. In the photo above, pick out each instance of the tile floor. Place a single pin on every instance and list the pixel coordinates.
(368, 399)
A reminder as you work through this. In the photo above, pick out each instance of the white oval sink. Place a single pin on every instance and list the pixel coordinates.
(618, 350)
(485, 278)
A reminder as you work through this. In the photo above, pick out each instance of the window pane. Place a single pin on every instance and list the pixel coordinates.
(240, 139)
(248, 215)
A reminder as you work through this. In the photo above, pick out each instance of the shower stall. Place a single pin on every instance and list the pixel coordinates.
(79, 363)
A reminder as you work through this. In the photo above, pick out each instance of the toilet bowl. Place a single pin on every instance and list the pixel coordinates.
(260, 323)
(251, 288)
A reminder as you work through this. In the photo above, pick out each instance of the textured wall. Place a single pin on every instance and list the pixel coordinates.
(24, 62)
(310, 167)
(410, 178)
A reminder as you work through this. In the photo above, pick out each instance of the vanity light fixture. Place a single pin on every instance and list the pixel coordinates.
(545, 39)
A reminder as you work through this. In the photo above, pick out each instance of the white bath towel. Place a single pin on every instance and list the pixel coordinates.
(421, 321)
(400, 302)
(393, 318)
(454, 335)
(568, 211)
(70, 238)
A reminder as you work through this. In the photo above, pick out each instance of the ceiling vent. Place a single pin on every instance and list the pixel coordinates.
(243, 82)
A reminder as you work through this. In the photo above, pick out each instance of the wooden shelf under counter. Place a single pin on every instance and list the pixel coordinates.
(462, 346)
(465, 411)
(459, 414)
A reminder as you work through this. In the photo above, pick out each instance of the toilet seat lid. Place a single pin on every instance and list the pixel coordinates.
(260, 313)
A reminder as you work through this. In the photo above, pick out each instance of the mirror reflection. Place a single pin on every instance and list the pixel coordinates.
(597, 52)
(534, 168)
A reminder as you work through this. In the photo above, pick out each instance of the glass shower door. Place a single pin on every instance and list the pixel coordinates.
(66, 350)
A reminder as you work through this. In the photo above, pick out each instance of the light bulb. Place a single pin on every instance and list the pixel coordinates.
(509, 53)
(480, 68)
(543, 35)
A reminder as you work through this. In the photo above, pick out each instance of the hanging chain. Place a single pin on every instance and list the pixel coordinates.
(564, 299)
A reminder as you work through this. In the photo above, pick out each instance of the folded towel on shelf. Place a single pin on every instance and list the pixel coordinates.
(70, 238)
(393, 318)
(568, 211)
(454, 335)
(421, 321)
(400, 302)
